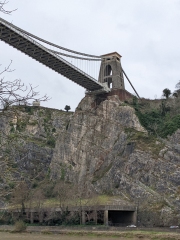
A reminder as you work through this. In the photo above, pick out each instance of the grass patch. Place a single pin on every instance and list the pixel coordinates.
(97, 200)
(105, 235)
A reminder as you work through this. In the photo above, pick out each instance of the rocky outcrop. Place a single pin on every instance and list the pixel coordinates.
(106, 150)
(103, 148)
(94, 137)
(28, 137)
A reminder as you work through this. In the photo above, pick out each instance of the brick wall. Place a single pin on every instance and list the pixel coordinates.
(121, 93)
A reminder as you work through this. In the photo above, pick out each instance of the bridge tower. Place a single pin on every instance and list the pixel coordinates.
(111, 71)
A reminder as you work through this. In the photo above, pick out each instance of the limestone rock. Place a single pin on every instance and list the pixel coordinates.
(103, 148)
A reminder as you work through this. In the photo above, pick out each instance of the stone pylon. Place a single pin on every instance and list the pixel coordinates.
(111, 71)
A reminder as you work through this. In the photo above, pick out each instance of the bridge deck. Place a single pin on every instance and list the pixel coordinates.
(27, 45)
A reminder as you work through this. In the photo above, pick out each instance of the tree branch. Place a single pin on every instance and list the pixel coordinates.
(3, 10)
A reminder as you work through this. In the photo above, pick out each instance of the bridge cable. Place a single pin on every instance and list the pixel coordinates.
(47, 42)
(73, 56)
(130, 83)
(98, 58)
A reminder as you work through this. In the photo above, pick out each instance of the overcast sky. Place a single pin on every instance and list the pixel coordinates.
(145, 32)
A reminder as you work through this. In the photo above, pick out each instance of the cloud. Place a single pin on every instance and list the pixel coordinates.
(145, 33)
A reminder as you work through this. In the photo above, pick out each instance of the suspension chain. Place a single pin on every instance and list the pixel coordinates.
(49, 43)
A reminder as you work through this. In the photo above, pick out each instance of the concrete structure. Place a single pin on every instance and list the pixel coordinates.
(36, 103)
(111, 71)
(113, 215)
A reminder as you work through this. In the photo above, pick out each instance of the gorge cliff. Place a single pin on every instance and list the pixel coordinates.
(104, 149)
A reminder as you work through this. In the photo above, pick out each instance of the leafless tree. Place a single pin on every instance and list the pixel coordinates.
(85, 198)
(2, 7)
(37, 202)
(15, 92)
(20, 196)
(62, 192)
(11, 93)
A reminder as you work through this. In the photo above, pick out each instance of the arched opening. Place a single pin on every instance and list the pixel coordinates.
(108, 75)
(108, 80)
(108, 71)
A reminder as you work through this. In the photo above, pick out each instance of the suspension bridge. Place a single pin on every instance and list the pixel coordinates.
(50, 55)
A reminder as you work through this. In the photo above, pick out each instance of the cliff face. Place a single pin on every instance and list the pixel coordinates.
(28, 137)
(104, 148)
(95, 137)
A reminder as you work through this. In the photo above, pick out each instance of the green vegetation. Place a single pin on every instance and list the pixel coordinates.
(63, 173)
(29, 110)
(21, 125)
(166, 93)
(159, 117)
(51, 141)
(67, 108)
(53, 130)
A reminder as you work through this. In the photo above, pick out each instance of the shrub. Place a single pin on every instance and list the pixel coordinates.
(29, 110)
(19, 226)
(170, 126)
(51, 142)
(21, 125)
(159, 121)
(48, 189)
(11, 185)
(54, 130)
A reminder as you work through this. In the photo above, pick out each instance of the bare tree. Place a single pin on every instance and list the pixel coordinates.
(176, 93)
(178, 85)
(12, 93)
(15, 92)
(2, 7)
(20, 196)
(62, 192)
(38, 199)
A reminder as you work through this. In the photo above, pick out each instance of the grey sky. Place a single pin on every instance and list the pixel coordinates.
(145, 32)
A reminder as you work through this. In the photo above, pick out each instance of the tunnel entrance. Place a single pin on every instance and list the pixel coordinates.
(120, 218)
